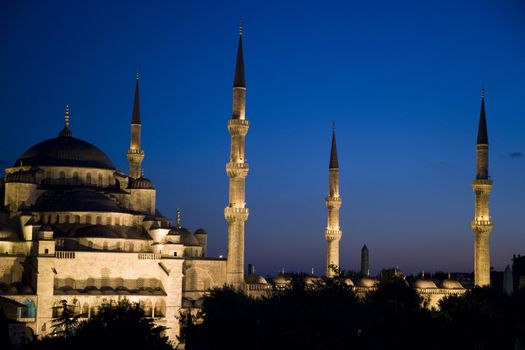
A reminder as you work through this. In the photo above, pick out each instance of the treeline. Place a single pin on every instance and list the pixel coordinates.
(331, 316)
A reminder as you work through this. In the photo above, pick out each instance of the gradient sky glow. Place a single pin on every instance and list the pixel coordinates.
(401, 79)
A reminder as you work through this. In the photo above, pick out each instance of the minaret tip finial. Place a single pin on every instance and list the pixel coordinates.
(142, 172)
(333, 125)
(137, 74)
(178, 219)
(240, 27)
(66, 116)
(483, 90)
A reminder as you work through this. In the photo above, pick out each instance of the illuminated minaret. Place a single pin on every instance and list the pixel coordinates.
(333, 203)
(482, 185)
(135, 152)
(237, 168)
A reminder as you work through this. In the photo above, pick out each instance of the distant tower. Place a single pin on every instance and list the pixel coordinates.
(333, 203)
(135, 152)
(365, 264)
(237, 168)
(482, 185)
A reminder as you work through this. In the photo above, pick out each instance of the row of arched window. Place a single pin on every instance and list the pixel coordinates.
(86, 311)
(76, 179)
(86, 219)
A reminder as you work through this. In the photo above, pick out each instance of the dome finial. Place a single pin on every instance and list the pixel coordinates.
(178, 219)
(66, 116)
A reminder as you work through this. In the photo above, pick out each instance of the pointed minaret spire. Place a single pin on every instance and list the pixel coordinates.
(334, 163)
(238, 79)
(135, 152)
(483, 138)
(135, 117)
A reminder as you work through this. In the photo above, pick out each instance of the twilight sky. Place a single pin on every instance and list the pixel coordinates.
(401, 79)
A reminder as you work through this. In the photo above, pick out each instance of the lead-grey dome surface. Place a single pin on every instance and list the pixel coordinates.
(65, 150)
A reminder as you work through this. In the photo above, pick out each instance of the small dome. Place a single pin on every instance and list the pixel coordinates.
(348, 282)
(280, 280)
(20, 177)
(140, 184)
(200, 232)
(6, 232)
(186, 237)
(254, 279)
(367, 282)
(451, 284)
(424, 284)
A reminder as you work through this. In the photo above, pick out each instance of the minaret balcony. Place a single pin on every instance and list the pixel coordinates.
(482, 185)
(483, 227)
(135, 151)
(238, 127)
(334, 202)
(236, 214)
(332, 235)
(237, 169)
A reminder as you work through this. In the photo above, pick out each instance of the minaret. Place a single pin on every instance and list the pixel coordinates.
(482, 185)
(365, 263)
(237, 168)
(333, 203)
(135, 152)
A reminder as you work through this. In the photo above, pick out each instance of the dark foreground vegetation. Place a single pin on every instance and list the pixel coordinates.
(117, 325)
(330, 316)
(324, 316)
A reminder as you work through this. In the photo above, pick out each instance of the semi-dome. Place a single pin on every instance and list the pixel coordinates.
(84, 200)
(65, 150)
(424, 284)
(141, 184)
(451, 284)
(310, 280)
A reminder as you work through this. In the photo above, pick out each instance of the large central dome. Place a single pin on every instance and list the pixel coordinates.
(65, 150)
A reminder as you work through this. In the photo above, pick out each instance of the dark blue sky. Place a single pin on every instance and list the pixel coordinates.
(401, 79)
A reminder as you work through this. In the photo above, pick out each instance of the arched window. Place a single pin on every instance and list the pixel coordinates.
(100, 180)
(77, 219)
(88, 219)
(160, 309)
(99, 220)
(85, 310)
(66, 219)
(57, 309)
(76, 179)
(62, 177)
(93, 311)
(105, 246)
(29, 310)
(110, 180)
(57, 221)
(76, 307)
(88, 178)
(148, 309)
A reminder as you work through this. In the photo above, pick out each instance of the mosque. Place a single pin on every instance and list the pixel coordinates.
(74, 228)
